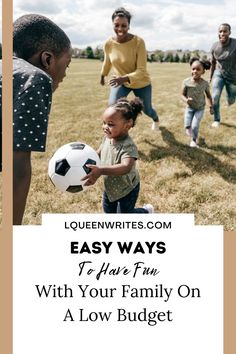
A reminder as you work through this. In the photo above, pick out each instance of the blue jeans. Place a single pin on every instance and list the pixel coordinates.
(218, 84)
(144, 93)
(192, 120)
(123, 205)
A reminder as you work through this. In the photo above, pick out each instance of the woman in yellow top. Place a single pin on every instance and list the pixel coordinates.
(126, 54)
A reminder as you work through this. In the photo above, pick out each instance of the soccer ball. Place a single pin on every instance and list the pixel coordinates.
(67, 166)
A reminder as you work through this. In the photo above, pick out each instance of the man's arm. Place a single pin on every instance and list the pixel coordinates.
(213, 66)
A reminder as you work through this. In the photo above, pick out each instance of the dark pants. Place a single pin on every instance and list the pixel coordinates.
(123, 205)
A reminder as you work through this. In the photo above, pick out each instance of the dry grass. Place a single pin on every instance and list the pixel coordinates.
(174, 178)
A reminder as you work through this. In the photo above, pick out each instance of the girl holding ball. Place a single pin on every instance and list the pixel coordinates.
(118, 154)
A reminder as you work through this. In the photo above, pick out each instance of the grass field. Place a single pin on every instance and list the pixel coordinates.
(174, 177)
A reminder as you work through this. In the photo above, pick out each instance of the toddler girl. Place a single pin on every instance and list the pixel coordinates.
(118, 155)
(193, 94)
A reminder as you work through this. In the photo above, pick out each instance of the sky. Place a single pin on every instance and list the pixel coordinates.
(164, 25)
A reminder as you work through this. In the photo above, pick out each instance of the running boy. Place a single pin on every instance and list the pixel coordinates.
(42, 54)
(193, 94)
(118, 158)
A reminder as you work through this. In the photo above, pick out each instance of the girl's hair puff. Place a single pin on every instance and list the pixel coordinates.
(205, 63)
(121, 12)
(129, 109)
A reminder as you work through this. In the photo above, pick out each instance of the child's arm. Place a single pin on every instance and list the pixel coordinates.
(184, 96)
(209, 99)
(114, 170)
(21, 183)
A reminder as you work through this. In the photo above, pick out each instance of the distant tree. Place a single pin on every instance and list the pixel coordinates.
(159, 55)
(89, 52)
(183, 59)
(187, 57)
(169, 57)
(176, 58)
(153, 57)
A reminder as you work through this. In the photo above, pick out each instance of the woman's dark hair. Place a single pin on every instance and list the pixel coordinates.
(35, 33)
(205, 63)
(129, 109)
(121, 12)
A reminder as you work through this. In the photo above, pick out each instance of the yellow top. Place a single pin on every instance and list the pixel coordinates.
(127, 59)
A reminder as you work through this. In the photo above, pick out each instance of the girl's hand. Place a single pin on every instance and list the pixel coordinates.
(92, 176)
(189, 100)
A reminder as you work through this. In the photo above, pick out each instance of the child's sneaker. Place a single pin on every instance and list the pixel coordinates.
(193, 144)
(215, 124)
(155, 126)
(188, 131)
(149, 208)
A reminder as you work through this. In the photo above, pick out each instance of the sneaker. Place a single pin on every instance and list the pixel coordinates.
(188, 131)
(155, 126)
(215, 124)
(149, 208)
(193, 144)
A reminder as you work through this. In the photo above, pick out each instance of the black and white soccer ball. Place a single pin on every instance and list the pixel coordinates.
(67, 166)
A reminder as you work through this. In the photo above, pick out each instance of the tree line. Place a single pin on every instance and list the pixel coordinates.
(177, 56)
(171, 56)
